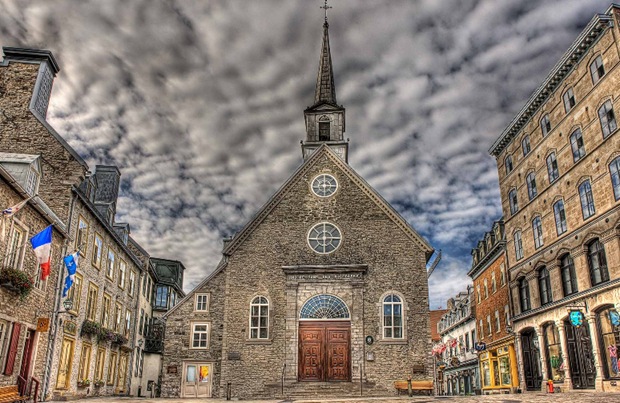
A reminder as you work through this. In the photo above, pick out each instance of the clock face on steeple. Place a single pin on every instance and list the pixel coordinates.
(324, 185)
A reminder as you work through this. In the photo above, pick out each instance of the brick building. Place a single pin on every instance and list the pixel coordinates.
(558, 164)
(309, 297)
(498, 361)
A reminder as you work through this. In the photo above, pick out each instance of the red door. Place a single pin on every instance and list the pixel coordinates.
(27, 355)
(324, 351)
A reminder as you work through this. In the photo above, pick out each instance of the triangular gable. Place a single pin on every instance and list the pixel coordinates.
(354, 176)
(324, 106)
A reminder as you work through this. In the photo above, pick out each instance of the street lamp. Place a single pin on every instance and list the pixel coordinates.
(67, 304)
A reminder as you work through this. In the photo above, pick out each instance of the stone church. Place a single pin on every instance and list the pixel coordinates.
(324, 292)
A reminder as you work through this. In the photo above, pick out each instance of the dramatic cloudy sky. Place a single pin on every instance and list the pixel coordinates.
(200, 104)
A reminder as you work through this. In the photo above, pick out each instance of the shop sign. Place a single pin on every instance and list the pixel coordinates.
(614, 317)
(480, 346)
(43, 325)
(70, 327)
(576, 318)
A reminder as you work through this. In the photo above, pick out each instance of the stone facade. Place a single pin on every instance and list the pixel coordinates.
(590, 70)
(19, 316)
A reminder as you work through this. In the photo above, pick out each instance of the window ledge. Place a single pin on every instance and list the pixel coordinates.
(258, 341)
(393, 341)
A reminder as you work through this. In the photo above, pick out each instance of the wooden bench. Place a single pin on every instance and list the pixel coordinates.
(10, 394)
(416, 386)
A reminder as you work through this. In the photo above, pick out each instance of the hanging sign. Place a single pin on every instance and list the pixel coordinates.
(480, 346)
(369, 340)
(614, 317)
(43, 324)
(576, 318)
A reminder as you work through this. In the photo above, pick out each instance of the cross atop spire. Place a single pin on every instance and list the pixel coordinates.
(325, 7)
(325, 88)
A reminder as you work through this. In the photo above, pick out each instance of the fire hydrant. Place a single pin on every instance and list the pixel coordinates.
(549, 385)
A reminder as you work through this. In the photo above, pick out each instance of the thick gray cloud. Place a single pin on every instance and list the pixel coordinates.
(200, 105)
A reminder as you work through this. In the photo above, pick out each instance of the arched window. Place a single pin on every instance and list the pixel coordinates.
(554, 352)
(576, 145)
(323, 131)
(545, 125)
(608, 119)
(524, 295)
(597, 262)
(609, 336)
(569, 278)
(525, 145)
(560, 216)
(552, 168)
(518, 245)
(392, 317)
(569, 99)
(324, 306)
(614, 170)
(597, 69)
(514, 203)
(538, 233)
(587, 200)
(531, 185)
(508, 163)
(544, 286)
(259, 318)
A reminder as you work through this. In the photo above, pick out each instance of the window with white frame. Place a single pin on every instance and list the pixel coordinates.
(201, 302)
(486, 289)
(4, 329)
(478, 295)
(518, 245)
(525, 145)
(122, 268)
(502, 274)
(493, 283)
(489, 328)
(507, 314)
(481, 330)
(538, 232)
(545, 125)
(587, 200)
(597, 69)
(497, 322)
(111, 263)
(32, 182)
(552, 168)
(259, 318)
(200, 335)
(392, 317)
(15, 250)
(608, 119)
(569, 99)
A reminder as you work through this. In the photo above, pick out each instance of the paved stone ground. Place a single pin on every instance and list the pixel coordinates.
(576, 397)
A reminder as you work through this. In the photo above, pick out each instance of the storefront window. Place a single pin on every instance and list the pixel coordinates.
(486, 373)
(610, 341)
(495, 373)
(554, 353)
(504, 368)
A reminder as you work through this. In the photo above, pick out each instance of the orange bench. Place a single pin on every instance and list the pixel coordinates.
(416, 386)
(10, 394)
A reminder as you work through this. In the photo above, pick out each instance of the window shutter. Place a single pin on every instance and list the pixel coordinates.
(10, 359)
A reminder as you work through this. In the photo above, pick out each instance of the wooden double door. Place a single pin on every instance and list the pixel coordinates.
(324, 351)
(531, 361)
(580, 356)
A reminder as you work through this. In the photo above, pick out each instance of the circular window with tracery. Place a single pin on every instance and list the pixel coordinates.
(324, 185)
(324, 238)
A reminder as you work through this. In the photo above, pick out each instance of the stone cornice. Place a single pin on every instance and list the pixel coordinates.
(488, 259)
(590, 34)
(319, 269)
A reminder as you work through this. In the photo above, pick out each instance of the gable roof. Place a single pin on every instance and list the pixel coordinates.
(264, 212)
(324, 149)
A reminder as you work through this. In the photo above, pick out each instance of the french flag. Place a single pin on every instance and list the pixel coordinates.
(42, 245)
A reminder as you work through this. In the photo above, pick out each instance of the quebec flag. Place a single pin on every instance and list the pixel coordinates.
(71, 262)
(42, 245)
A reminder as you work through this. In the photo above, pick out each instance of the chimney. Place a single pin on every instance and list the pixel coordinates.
(48, 68)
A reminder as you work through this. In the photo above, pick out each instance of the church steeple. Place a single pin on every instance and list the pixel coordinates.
(325, 88)
(325, 121)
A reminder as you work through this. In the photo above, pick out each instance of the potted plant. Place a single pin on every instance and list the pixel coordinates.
(106, 335)
(84, 383)
(99, 383)
(119, 339)
(90, 328)
(16, 281)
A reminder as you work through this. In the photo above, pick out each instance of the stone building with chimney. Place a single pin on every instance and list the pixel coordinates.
(324, 292)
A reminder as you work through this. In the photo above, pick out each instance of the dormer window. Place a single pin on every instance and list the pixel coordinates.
(32, 182)
(323, 131)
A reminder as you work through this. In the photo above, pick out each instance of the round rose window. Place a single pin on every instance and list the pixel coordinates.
(324, 185)
(324, 238)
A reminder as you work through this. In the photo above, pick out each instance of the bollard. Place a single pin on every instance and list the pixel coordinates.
(409, 391)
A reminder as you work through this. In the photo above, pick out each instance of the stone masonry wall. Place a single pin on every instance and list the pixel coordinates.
(496, 301)
(22, 132)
